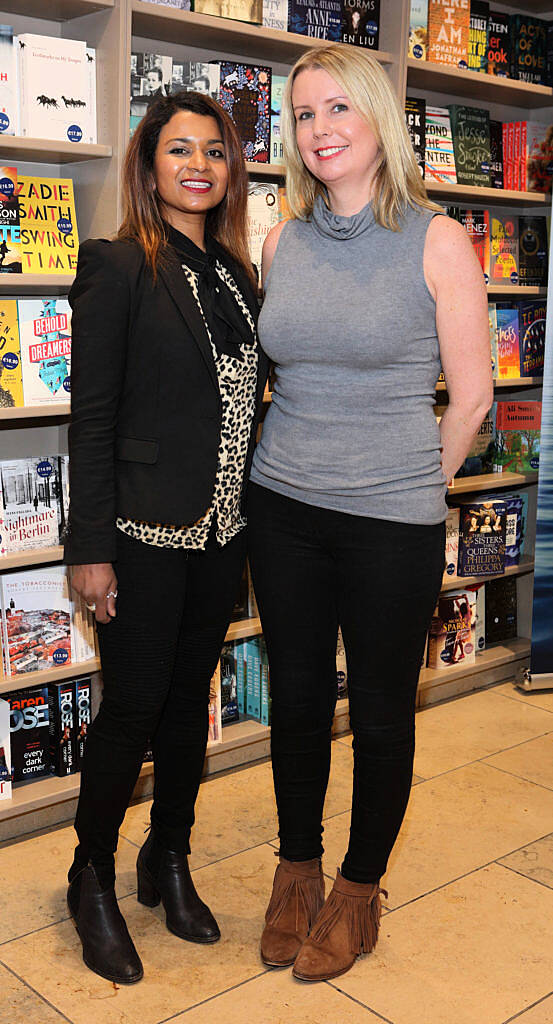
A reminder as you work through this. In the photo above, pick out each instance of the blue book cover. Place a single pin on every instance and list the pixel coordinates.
(240, 655)
(320, 19)
(229, 705)
(253, 686)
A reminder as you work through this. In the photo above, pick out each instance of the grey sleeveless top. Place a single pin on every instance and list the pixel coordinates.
(351, 328)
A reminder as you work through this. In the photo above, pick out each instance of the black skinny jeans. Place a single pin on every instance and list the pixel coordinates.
(314, 569)
(158, 657)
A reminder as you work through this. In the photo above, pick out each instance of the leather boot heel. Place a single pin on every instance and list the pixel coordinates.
(147, 893)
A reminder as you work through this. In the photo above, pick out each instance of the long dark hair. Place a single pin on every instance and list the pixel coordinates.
(142, 218)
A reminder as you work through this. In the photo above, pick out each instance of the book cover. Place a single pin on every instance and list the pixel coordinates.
(496, 154)
(517, 515)
(341, 668)
(5, 752)
(451, 637)
(30, 490)
(262, 216)
(510, 182)
(501, 610)
(448, 32)
(499, 44)
(151, 76)
(533, 265)
(415, 118)
(61, 715)
(214, 707)
(29, 733)
(549, 53)
(195, 76)
(529, 49)
(236, 10)
(471, 143)
(277, 89)
(321, 19)
(83, 716)
(492, 324)
(11, 379)
(439, 159)
(49, 236)
(479, 590)
(10, 227)
(181, 5)
(275, 14)
(229, 705)
(8, 93)
(478, 36)
(361, 23)
(36, 619)
(45, 337)
(245, 94)
(538, 158)
(504, 248)
(532, 322)
(477, 226)
(452, 541)
(240, 658)
(265, 698)
(517, 437)
(54, 89)
(418, 29)
(480, 457)
(253, 678)
(482, 531)
(508, 341)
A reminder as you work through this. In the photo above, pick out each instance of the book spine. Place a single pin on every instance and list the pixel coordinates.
(510, 152)
(61, 712)
(239, 655)
(505, 138)
(523, 156)
(83, 717)
(253, 682)
(516, 156)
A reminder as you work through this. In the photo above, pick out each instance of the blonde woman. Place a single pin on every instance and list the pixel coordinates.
(370, 290)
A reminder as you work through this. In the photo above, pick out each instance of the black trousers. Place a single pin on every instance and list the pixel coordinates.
(314, 569)
(158, 657)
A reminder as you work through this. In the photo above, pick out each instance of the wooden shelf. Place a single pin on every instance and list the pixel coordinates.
(49, 675)
(36, 284)
(265, 170)
(36, 412)
(493, 196)
(509, 382)
(472, 85)
(491, 482)
(517, 291)
(34, 556)
(492, 657)
(264, 44)
(243, 628)
(48, 151)
(55, 10)
(525, 567)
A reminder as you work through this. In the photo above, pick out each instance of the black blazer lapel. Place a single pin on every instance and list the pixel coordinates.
(181, 293)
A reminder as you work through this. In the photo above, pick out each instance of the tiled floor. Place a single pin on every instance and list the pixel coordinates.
(468, 933)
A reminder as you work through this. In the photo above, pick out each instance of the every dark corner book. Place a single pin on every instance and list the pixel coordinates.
(361, 23)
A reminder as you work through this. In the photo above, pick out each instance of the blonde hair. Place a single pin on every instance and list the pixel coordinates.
(397, 182)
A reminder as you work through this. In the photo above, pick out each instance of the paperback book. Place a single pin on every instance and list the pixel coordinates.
(478, 36)
(54, 89)
(277, 89)
(262, 216)
(45, 336)
(439, 159)
(448, 32)
(508, 341)
(49, 236)
(452, 541)
(492, 324)
(471, 143)
(501, 610)
(151, 78)
(537, 171)
(451, 637)
(361, 23)
(517, 517)
(245, 93)
(10, 226)
(5, 752)
(415, 117)
(482, 533)
(236, 10)
(61, 714)
(517, 437)
(8, 92)
(499, 44)
(30, 492)
(11, 379)
(229, 704)
(532, 323)
(504, 250)
(36, 620)
(83, 716)
(418, 30)
(214, 708)
(477, 226)
(529, 49)
(533, 246)
(29, 733)
(320, 19)
(496, 154)
(275, 14)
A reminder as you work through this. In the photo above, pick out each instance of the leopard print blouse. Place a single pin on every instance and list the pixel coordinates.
(237, 385)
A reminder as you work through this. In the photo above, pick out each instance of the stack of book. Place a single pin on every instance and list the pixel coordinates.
(511, 249)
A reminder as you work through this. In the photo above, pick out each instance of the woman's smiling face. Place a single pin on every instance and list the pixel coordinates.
(190, 167)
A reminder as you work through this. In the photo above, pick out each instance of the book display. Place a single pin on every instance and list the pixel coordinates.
(58, 186)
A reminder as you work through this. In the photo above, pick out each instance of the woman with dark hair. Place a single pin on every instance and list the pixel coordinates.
(167, 385)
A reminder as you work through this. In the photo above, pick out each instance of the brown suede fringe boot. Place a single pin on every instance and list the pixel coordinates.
(346, 926)
(298, 895)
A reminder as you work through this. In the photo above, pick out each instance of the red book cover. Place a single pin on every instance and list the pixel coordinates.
(505, 133)
(523, 154)
(516, 157)
(510, 150)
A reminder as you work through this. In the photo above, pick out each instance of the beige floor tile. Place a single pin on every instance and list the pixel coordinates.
(40, 865)
(454, 824)
(540, 1014)
(482, 724)
(237, 811)
(532, 760)
(535, 861)
(537, 699)
(276, 998)
(19, 1005)
(476, 952)
(177, 974)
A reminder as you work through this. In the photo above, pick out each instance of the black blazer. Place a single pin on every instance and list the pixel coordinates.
(146, 409)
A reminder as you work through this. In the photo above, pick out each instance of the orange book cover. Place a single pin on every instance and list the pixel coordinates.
(448, 32)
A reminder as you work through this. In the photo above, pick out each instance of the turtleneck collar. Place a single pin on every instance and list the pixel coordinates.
(341, 228)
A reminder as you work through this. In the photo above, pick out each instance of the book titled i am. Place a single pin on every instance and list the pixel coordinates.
(448, 32)
(361, 23)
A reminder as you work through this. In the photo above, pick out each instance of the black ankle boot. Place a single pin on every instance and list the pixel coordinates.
(164, 875)
(108, 949)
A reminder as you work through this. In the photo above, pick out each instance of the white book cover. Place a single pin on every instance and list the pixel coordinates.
(5, 751)
(36, 617)
(54, 89)
(31, 496)
(262, 216)
(439, 158)
(275, 14)
(75, 612)
(91, 70)
(8, 93)
(45, 337)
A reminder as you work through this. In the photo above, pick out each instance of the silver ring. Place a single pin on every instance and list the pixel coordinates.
(91, 607)
(112, 593)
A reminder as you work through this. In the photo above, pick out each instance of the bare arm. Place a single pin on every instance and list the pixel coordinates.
(454, 278)
(269, 249)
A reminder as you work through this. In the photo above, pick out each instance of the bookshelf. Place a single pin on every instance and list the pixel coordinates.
(112, 26)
